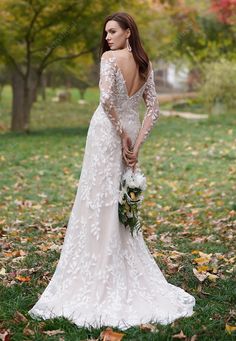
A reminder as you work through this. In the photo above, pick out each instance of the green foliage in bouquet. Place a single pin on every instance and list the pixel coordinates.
(131, 187)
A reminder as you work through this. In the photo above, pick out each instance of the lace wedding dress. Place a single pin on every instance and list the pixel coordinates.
(106, 277)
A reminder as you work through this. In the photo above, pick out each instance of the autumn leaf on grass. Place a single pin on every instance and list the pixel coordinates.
(53, 332)
(18, 317)
(109, 335)
(2, 222)
(203, 259)
(148, 327)
(179, 336)
(50, 246)
(23, 278)
(200, 276)
(150, 203)
(230, 328)
(66, 170)
(212, 277)
(16, 253)
(202, 268)
(195, 252)
(158, 254)
(5, 335)
(172, 268)
(176, 255)
(27, 331)
(3, 271)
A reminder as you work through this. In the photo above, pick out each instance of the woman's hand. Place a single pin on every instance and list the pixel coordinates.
(133, 158)
(126, 146)
(130, 156)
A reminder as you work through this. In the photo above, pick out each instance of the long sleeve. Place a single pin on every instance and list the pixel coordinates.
(152, 110)
(107, 91)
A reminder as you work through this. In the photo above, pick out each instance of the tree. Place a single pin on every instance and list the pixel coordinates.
(197, 35)
(36, 33)
(225, 10)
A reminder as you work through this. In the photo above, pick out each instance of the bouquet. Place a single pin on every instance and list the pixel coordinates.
(131, 186)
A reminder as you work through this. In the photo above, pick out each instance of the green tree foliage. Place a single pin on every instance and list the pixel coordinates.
(219, 88)
(191, 31)
(36, 33)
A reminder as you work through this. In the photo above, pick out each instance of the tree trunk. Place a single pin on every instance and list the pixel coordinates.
(1, 90)
(82, 93)
(42, 87)
(24, 92)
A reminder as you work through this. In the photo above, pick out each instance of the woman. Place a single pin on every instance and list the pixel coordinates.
(106, 277)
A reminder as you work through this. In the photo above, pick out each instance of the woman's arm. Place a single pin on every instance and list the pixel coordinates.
(151, 116)
(152, 112)
(107, 94)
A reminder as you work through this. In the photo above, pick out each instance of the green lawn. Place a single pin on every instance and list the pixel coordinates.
(189, 214)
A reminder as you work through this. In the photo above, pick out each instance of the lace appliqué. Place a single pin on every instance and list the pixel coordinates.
(108, 71)
(152, 113)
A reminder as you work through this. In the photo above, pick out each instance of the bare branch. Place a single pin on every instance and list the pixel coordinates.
(34, 18)
(70, 56)
(11, 59)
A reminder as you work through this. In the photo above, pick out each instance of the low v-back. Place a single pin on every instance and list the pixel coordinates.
(125, 84)
(125, 77)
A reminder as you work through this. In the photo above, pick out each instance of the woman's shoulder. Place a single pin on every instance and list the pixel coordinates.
(115, 54)
(107, 55)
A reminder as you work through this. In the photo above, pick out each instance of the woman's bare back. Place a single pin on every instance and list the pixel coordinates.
(129, 69)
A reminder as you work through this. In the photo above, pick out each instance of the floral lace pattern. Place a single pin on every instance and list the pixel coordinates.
(105, 276)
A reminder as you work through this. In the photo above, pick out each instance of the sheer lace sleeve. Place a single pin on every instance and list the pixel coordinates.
(107, 92)
(152, 112)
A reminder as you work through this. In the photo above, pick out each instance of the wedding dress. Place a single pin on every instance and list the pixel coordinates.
(104, 276)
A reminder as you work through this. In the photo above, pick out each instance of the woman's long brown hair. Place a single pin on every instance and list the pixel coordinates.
(126, 21)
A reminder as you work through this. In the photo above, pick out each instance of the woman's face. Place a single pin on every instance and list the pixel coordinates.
(116, 36)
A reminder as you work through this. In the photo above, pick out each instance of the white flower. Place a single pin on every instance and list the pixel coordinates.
(121, 196)
(129, 214)
(134, 180)
(140, 181)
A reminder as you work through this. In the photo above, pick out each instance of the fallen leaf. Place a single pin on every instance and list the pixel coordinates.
(179, 336)
(158, 254)
(202, 268)
(5, 335)
(176, 255)
(23, 278)
(27, 331)
(109, 335)
(16, 253)
(200, 276)
(193, 338)
(202, 260)
(18, 317)
(230, 328)
(3, 271)
(172, 268)
(53, 332)
(150, 203)
(195, 252)
(212, 277)
(148, 327)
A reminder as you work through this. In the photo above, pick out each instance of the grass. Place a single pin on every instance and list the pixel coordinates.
(189, 207)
